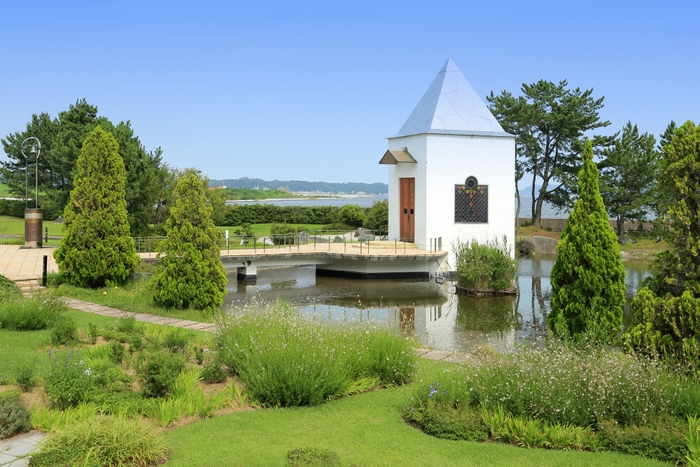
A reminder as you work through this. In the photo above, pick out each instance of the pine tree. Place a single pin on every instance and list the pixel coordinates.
(588, 278)
(189, 271)
(666, 312)
(97, 249)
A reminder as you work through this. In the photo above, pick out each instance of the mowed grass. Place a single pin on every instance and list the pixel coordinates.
(15, 226)
(366, 429)
(262, 230)
(27, 347)
(134, 296)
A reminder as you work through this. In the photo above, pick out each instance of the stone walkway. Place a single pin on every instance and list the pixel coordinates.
(14, 452)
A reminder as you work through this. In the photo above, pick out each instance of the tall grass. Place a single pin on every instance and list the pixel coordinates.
(30, 314)
(286, 359)
(565, 385)
(102, 440)
(483, 266)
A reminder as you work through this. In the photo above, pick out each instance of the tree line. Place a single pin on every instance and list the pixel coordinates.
(551, 123)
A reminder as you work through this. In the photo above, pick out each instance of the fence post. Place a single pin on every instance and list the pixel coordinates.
(44, 270)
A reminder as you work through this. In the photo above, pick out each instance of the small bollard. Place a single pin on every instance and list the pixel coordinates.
(46, 236)
(43, 273)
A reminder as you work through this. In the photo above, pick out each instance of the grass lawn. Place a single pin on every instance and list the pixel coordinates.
(28, 346)
(134, 296)
(260, 230)
(366, 429)
(15, 226)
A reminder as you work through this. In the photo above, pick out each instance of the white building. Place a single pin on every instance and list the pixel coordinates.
(451, 170)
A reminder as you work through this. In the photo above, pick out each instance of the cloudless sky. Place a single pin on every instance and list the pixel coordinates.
(310, 90)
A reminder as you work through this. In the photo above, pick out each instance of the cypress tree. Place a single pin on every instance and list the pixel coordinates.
(189, 271)
(97, 248)
(666, 311)
(588, 278)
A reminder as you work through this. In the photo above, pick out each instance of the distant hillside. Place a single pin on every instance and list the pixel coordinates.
(297, 185)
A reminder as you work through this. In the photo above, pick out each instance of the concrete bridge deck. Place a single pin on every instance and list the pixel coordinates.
(375, 259)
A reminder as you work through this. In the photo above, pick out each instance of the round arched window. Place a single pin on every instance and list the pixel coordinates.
(471, 182)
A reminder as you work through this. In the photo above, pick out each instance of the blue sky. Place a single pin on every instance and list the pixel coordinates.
(310, 90)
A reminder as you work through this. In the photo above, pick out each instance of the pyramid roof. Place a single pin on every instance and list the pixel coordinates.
(450, 106)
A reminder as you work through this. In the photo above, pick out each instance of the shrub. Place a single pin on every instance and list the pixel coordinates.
(97, 248)
(63, 331)
(284, 234)
(176, 341)
(8, 290)
(569, 386)
(313, 457)
(14, 419)
(484, 266)
(31, 314)
(353, 215)
(213, 373)
(588, 278)
(286, 360)
(116, 352)
(661, 438)
(378, 217)
(189, 271)
(25, 376)
(693, 442)
(159, 372)
(67, 381)
(102, 440)
(11, 395)
(128, 325)
(443, 420)
(92, 333)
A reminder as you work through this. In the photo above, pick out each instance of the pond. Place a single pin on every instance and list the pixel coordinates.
(430, 311)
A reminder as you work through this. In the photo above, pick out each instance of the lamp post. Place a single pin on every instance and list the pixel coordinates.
(33, 146)
(33, 218)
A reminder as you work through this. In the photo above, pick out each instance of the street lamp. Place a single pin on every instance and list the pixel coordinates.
(33, 146)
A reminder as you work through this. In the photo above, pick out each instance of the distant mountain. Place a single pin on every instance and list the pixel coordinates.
(297, 185)
(527, 191)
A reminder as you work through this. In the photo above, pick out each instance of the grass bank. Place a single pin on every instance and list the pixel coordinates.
(365, 429)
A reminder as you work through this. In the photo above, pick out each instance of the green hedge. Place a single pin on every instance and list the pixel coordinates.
(14, 208)
(270, 214)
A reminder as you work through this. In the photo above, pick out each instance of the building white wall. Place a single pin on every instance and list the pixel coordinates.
(444, 161)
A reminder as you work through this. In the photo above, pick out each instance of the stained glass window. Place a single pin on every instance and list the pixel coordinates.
(471, 202)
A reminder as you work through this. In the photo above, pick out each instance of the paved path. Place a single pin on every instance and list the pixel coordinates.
(14, 451)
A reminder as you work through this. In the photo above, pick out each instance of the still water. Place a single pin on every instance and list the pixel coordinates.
(430, 311)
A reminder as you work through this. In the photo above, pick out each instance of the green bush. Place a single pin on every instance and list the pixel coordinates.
(213, 373)
(189, 271)
(25, 376)
(569, 386)
(661, 438)
(8, 290)
(67, 381)
(158, 373)
(353, 215)
(269, 214)
(63, 331)
(444, 420)
(129, 325)
(378, 217)
(97, 248)
(92, 333)
(693, 442)
(284, 234)
(287, 360)
(484, 266)
(31, 314)
(116, 352)
(102, 441)
(14, 419)
(176, 341)
(11, 395)
(312, 457)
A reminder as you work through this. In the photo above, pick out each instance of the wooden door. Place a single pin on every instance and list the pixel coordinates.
(407, 194)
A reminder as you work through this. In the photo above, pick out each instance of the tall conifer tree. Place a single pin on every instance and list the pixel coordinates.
(97, 248)
(588, 278)
(190, 272)
(666, 312)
